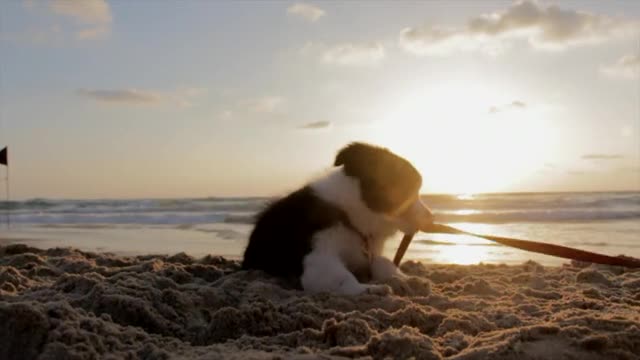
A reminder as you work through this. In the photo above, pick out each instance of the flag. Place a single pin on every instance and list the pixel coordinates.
(4, 156)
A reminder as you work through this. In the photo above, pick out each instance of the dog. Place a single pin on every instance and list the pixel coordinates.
(330, 234)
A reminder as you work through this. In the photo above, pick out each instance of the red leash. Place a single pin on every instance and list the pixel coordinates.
(533, 246)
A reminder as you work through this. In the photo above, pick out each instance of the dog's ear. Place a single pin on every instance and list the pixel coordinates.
(353, 154)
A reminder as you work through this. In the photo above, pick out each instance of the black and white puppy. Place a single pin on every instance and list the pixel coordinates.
(330, 234)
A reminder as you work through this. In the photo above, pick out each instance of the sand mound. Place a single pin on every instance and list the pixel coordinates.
(68, 304)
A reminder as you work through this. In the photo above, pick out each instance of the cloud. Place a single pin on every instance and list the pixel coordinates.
(92, 33)
(317, 125)
(602, 156)
(94, 16)
(180, 97)
(517, 104)
(85, 11)
(543, 26)
(266, 104)
(438, 40)
(91, 19)
(366, 54)
(132, 96)
(627, 67)
(308, 12)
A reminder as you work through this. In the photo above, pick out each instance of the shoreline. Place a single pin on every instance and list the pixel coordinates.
(62, 302)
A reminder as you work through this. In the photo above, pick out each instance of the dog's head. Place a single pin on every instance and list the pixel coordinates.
(389, 184)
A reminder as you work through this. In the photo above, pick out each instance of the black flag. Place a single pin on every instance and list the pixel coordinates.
(4, 157)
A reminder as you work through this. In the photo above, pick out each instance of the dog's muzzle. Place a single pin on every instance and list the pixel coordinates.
(416, 218)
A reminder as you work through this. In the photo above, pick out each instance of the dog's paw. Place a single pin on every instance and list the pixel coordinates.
(383, 269)
(378, 289)
(400, 275)
(409, 286)
(399, 285)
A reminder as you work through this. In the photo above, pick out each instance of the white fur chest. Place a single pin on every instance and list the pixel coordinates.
(343, 243)
(343, 191)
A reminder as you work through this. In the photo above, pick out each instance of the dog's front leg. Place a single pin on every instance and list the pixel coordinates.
(326, 273)
(383, 269)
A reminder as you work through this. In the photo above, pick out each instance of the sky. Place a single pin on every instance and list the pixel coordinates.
(139, 99)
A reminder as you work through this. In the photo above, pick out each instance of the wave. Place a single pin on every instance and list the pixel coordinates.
(207, 218)
(562, 215)
(142, 219)
(483, 208)
(133, 206)
(538, 201)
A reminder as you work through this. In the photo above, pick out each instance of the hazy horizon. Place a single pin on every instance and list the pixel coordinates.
(276, 195)
(135, 100)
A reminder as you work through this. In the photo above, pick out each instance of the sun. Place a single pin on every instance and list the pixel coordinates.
(458, 144)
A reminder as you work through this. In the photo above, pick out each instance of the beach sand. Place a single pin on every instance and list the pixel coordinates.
(63, 303)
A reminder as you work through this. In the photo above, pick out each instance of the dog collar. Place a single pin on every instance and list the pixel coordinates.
(364, 239)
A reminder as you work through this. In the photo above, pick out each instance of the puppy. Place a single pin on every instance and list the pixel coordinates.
(330, 234)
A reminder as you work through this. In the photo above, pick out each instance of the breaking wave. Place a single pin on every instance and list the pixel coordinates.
(483, 208)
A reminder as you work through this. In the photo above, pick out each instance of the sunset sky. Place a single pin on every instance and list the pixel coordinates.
(135, 99)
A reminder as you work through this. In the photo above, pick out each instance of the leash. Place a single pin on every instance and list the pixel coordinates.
(527, 245)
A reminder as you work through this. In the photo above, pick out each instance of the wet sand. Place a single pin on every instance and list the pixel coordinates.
(62, 303)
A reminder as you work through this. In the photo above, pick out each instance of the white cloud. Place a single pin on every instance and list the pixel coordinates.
(92, 33)
(180, 97)
(627, 67)
(544, 27)
(306, 11)
(354, 54)
(436, 40)
(85, 11)
(91, 19)
(132, 96)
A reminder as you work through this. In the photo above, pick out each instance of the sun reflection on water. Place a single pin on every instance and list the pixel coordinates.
(459, 249)
(461, 254)
(463, 249)
(469, 196)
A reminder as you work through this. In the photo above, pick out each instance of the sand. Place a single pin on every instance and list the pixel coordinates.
(63, 303)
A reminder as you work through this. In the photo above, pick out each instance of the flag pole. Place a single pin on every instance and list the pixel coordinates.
(8, 199)
(4, 160)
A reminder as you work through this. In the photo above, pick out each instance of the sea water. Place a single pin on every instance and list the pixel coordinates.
(602, 222)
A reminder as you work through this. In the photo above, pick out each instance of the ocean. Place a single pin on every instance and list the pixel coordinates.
(602, 222)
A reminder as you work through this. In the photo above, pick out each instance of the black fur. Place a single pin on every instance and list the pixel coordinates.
(386, 180)
(283, 232)
(282, 235)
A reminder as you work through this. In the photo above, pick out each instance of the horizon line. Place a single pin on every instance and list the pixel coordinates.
(515, 193)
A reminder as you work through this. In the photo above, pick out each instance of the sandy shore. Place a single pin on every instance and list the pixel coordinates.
(68, 304)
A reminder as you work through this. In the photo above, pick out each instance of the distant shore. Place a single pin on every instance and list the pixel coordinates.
(65, 303)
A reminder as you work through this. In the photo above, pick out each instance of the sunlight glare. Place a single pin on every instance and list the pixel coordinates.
(458, 144)
(466, 196)
(461, 254)
(456, 249)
